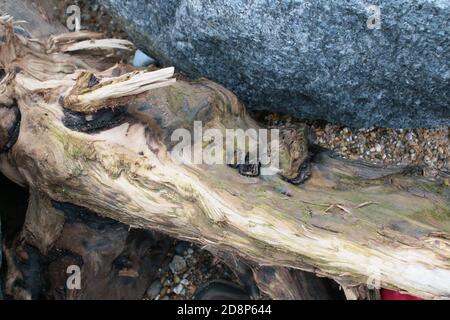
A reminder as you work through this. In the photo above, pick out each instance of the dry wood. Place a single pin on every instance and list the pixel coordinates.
(326, 225)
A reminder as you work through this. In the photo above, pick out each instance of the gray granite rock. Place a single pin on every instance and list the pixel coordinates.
(312, 59)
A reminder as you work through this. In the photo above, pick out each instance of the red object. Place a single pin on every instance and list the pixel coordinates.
(395, 295)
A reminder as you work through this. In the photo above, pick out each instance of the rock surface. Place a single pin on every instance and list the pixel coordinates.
(311, 59)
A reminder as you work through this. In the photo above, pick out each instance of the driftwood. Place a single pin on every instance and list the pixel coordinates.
(98, 136)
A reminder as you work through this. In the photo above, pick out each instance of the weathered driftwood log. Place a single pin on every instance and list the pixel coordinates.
(349, 221)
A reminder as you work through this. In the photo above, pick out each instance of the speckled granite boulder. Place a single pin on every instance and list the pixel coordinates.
(312, 59)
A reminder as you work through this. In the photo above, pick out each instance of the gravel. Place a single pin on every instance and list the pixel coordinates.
(199, 267)
(427, 148)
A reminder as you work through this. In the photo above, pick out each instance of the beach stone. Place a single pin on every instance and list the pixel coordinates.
(178, 265)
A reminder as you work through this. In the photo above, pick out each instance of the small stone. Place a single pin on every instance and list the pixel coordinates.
(176, 280)
(428, 172)
(178, 289)
(154, 289)
(184, 282)
(142, 60)
(409, 136)
(163, 292)
(182, 247)
(178, 265)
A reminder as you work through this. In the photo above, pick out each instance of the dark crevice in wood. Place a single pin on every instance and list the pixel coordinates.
(9, 127)
(13, 208)
(103, 119)
(221, 290)
(2, 73)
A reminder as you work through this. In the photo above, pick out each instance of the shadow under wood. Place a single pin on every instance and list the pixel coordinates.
(291, 284)
(58, 239)
(13, 207)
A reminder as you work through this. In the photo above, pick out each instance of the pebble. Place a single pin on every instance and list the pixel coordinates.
(182, 247)
(184, 282)
(178, 265)
(178, 289)
(142, 60)
(154, 289)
